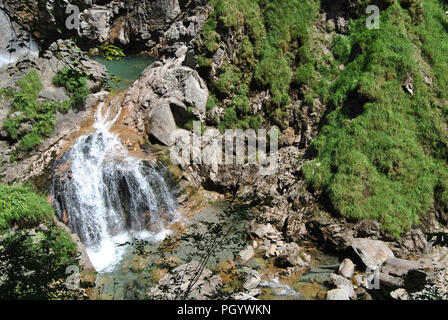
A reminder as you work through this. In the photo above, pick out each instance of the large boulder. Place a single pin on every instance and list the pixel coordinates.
(165, 97)
(343, 284)
(373, 253)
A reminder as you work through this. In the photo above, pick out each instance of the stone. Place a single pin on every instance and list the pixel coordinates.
(373, 253)
(245, 255)
(347, 268)
(175, 284)
(264, 231)
(271, 251)
(251, 279)
(291, 255)
(343, 284)
(399, 294)
(161, 125)
(337, 294)
(172, 87)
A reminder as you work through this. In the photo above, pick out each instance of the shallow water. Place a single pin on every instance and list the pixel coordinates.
(127, 69)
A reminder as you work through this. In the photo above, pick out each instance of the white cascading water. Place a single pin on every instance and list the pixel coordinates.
(113, 197)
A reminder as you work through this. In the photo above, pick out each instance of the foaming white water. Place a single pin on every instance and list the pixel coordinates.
(113, 197)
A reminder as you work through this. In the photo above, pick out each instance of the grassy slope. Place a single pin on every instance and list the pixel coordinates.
(382, 152)
(385, 157)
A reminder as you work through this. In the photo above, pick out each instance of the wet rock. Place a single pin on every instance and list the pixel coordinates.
(347, 268)
(175, 284)
(373, 253)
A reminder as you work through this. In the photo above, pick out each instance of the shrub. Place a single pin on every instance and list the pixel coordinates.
(30, 119)
(75, 82)
(18, 205)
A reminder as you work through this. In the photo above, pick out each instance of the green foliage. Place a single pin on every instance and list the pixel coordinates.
(20, 206)
(30, 120)
(111, 52)
(33, 266)
(382, 153)
(75, 82)
(341, 48)
(270, 32)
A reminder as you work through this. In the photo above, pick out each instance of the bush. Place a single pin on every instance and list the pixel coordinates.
(33, 267)
(20, 206)
(30, 120)
(75, 82)
(111, 52)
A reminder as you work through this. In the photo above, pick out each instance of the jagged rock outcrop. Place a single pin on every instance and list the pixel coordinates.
(165, 97)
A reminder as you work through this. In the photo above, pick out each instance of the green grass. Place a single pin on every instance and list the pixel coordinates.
(34, 119)
(31, 118)
(271, 32)
(75, 82)
(382, 152)
(21, 206)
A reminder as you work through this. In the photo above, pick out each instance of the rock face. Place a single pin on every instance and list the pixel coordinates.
(175, 284)
(12, 41)
(59, 55)
(162, 26)
(167, 95)
(373, 253)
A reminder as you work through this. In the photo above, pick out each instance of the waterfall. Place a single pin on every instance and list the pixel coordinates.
(112, 197)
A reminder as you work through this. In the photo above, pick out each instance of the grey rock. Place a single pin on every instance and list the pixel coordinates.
(347, 268)
(161, 125)
(245, 255)
(251, 279)
(337, 294)
(343, 284)
(399, 294)
(373, 253)
(291, 255)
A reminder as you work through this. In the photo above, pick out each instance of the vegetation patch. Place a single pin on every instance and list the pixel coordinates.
(20, 206)
(270, 34)
(383, 149)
